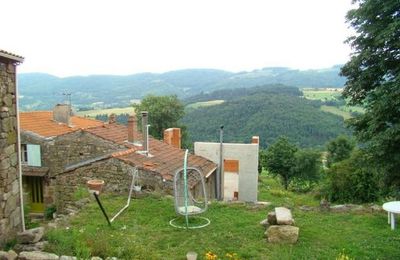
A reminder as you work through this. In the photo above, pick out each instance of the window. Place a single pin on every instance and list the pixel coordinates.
(30, 154)
(24, 154)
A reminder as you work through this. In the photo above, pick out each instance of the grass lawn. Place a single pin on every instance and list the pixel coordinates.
(143, 232)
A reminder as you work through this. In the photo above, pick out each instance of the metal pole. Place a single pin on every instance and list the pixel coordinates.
(101, 207)
(220, 167)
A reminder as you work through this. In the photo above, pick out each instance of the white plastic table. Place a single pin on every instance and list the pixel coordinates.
(392, 208)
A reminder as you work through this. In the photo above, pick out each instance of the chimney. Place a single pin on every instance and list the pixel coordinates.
(112, 119)
(172, 136)
(144, 129)
(255, 140)
(62, 114)
(131, 128)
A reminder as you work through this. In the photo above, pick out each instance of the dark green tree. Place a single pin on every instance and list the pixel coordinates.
(280, 160)
(339, 149)
(164, 112)
(373, 80)
(307, 169)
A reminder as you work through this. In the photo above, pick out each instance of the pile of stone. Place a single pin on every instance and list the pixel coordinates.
(38, 255)
(280, 227)
(30, 240)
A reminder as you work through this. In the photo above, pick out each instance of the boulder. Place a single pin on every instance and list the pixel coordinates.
(282, 234)
(339, 208)
(271, 218)
(265, 223)
(65, 257)
(10, 255)
(37, 255)
(30, 236)
(283, 216)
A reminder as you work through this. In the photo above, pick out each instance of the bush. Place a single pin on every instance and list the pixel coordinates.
(352, 180)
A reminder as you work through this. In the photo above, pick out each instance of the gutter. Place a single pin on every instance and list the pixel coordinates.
(21, 196)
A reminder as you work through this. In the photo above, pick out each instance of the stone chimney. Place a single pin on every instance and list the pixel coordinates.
(62, 114)
(112, 119)
(172, 136)
(144, 129)
(131, 128)
(255, 140)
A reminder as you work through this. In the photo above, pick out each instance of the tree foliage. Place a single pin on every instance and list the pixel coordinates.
(268, 112)
(373, 80)
(164, 112)
(339, 149)
(291, 164)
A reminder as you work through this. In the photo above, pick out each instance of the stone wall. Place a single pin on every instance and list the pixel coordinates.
(10, 212)
(115, 173)
(64, 150)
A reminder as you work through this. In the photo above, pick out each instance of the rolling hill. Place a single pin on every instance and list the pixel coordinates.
(264, 111)
(41, 91)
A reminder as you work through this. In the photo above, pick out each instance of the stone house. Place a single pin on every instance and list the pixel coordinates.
(11, 213)
(69, 154)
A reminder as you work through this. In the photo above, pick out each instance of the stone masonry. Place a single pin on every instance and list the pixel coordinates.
(10, 212)
(64, 150)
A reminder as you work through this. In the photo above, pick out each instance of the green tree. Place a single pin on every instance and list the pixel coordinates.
(164, 112)
(339, 149)
(280, 160)
(307, 169)
(373, 80)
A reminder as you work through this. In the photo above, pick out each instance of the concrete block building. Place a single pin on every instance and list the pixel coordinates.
(239, 169)
(11, 217)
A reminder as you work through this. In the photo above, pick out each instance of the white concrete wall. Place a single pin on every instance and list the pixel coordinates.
(247, 154)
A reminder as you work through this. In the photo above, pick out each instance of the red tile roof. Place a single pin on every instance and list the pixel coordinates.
(42, 123)
(164, 159)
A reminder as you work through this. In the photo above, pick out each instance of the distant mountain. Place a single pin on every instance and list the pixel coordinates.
(42, 91)
(267, 111)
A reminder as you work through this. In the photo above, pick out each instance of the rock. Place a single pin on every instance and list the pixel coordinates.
(111, 258)
(10, 255)
(339, 208)
(306, 208)
(37, 255)
(283, 216)
(324, 205)
(96, 258)
(264, 223)
(263, 203)
(30, 236)
(375, 208)
(272, 218)
(357, 208)
(282, 234)
(26, 248)
(65, 257)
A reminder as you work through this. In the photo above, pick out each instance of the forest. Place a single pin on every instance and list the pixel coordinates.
(268, 111)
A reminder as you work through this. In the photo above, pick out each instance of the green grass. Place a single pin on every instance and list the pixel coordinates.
(108, 111)
(143, 232)
(321, 93)
(336, 111)
(205, 104)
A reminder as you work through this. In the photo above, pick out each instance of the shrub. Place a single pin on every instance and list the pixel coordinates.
(352, 180)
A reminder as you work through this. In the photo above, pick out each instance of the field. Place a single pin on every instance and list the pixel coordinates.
(205, 104)
(143, 232)
(337, 111)
(322, 93)
(108, 111)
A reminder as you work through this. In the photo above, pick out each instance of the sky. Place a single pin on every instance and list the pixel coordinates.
(86, 37)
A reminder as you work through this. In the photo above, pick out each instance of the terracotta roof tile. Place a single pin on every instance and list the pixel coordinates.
(165, 159)
(42, 123)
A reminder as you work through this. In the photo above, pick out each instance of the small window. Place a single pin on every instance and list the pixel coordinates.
(24, 154)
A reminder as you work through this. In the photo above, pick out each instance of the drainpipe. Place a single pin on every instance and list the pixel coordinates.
(21, 194)
(220, 168)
